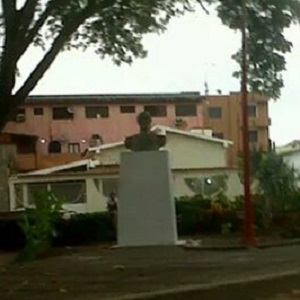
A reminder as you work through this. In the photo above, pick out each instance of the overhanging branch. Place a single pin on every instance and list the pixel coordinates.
(26, 15)
(31, 33)
(49, 57)
(203, 7)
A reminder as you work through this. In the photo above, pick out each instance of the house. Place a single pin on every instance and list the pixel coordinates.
(291, 153)
(67, 125)
(12, 148)
(223, 115)
(198, 164)
(74, 182)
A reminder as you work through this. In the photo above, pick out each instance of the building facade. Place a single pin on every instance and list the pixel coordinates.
(72, 123)
(69, 124)
(223, 115)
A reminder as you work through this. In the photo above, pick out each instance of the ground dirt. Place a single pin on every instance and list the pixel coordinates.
(99, 272)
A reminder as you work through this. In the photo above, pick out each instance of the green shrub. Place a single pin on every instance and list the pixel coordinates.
(83, 229)
(188, 213)
(11, 235)
(196, 215)
(38, 225)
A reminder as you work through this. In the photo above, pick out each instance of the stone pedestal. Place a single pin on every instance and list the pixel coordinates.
(146, 206)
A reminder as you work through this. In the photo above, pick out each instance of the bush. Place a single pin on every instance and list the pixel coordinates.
(196, 215)
(188, 220)
(11, 236)
(80, 229)
(83, 229)
(38, 225)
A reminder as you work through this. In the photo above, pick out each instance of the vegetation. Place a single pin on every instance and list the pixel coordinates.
(267, 45)
(38, 225)
(277, 181)
(115, 28)
(195, 216)
(275, 185)
(110, 27)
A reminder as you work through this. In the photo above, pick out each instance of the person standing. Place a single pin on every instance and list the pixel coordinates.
(112, 207)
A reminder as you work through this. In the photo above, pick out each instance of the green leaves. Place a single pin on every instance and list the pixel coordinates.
(112, 28)
(277, 180)
(38, 224)
(267, 20)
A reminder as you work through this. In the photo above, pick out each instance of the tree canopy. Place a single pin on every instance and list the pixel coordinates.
(267, 45)
(116, 27)
(111, 27)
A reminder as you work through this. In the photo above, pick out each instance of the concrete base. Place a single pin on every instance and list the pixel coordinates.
(146, 206)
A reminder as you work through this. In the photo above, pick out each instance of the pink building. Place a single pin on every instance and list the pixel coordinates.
(71, 123)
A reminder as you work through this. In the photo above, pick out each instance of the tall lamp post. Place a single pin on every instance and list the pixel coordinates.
(248, 235)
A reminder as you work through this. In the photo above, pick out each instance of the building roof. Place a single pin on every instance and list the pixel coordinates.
(163, 130)
(115, 98)
(205, 137)
(289, 148)
(88, 163)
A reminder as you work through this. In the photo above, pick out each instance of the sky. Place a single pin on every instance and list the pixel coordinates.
(195, 48)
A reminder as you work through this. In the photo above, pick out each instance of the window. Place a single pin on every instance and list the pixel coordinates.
(92, 112)
(34, 189)
(185, 110)
(156, 110)
(253, 136)
(20, 115)
(38, 111)
(54, 147)
(218, 135)
(215, 112)
(74, 148)
(71, 192)
(252, 110)
(127, 109)
(96, 140)
(62, 113)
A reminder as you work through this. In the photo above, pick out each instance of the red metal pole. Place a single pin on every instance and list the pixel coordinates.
(249, 236)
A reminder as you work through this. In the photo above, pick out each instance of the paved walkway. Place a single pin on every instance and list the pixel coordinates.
(99, 273)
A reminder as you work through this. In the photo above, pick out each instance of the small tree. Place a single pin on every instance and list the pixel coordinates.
(274, 182)
(277, 180)
(267, 45)
(38, 225)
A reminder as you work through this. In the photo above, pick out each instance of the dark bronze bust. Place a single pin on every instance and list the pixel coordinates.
(145, 140)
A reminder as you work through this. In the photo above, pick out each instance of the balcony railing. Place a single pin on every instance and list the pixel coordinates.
(259, 122)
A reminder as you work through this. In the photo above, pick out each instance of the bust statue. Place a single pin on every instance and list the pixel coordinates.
(145, 140)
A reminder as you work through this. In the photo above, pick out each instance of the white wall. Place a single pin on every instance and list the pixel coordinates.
(185, 153)
(191, 153)
(96, 201)
(293, 159)
(234, 186)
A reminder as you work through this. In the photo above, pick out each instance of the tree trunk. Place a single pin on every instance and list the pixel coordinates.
(6, 111)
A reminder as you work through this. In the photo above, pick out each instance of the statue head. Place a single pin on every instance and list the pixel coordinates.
(144, 121)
